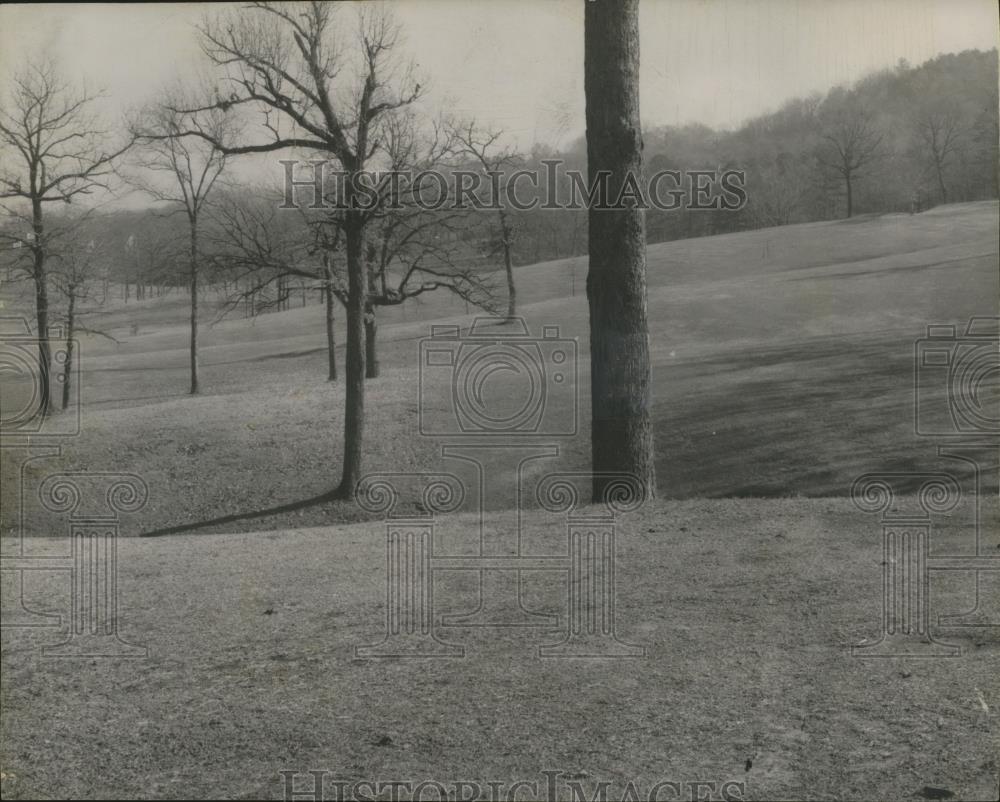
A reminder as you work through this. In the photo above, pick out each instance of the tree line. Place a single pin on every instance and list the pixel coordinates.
(899, 140)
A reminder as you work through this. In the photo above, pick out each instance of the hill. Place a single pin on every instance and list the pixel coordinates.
(783, 366)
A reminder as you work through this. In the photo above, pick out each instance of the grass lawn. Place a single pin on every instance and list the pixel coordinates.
(783, 369)
(783, 366)
(746, 607)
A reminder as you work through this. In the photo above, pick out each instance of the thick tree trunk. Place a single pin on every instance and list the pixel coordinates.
(850, 195)
(41, 313)
(354, 361)
(68, 364)
(371, 344)
(620, 381)
(194, 306)
(331, 341)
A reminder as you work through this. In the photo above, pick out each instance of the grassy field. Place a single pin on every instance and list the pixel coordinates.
(783, 369)
(746, 607)
(783, 366)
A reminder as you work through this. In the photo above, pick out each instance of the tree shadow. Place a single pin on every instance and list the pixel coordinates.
(294, 506)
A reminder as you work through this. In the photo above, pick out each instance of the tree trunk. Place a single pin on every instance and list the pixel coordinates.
(354, 361)
(371, 346)
(282, 293)
(508, 263)
(511, 289)
(850, 196)
(620, 380)
(68, 365)
(41, 312)
(194, 305)
(330, 332)
(941, 186)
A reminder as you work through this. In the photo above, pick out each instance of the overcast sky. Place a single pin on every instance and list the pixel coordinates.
(518, 64)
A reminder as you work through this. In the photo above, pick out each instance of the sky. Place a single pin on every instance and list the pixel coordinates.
(518, 64)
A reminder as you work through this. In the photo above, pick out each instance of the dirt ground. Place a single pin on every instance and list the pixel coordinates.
(746, 608)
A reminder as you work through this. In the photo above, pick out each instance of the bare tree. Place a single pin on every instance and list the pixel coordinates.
(940, 124)
(256, 246)
(191, 167)
(54, 149)
(76, 255)
(412, 254)
(285, 62)
(621, 428)
(851, 140)
(484, 148)
(413, 249)
(152, 253)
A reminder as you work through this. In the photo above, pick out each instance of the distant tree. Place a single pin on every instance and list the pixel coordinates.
(256, 245)
(621, 393)
(153, 253)
(984, 137)
(54, 149)
(484, 149)
(940, 121)
(410, 255)
(776, 152)
(986, 128)
(181, 172)
(412, 249)
(78, 269)
(851, 140)
(141, 247)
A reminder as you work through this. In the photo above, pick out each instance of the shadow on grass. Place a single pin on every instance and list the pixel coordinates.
(294, 506)
(138, 399)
